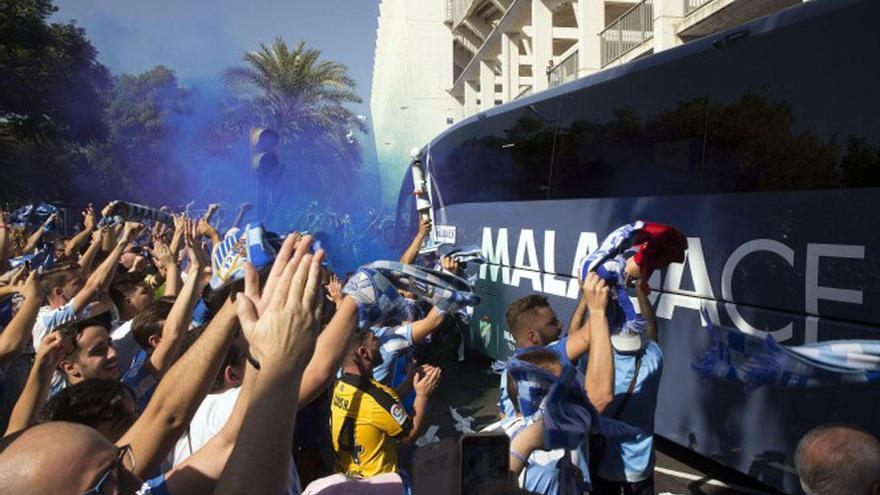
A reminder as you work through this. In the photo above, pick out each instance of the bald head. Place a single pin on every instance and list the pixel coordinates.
(839, 459)
(58, 457)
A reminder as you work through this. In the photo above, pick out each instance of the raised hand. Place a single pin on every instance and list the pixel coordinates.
(108, 209)
(426, 380)
(449, 264)
(425, 225)
(131, 231)
(90, 220)
(199, 263)
(283, 335)
(162, 254)
(334, 290)
(595, 293)
(53, 347)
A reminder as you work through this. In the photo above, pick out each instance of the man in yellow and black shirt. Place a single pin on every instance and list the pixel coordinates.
(368, 420)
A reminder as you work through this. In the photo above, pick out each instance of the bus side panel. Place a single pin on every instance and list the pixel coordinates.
(810, 243)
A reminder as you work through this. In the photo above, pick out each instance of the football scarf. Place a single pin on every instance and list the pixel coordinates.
(756, 362)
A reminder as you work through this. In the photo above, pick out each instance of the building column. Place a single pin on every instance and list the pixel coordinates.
(509, 67)
(667, 15)
(470, 98)
(591, 21)
(487, 85)
(542, 43)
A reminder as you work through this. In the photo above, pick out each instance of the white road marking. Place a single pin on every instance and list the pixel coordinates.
(696, 477)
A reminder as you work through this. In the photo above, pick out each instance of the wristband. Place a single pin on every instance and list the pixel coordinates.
(519, 456)
(253, 361)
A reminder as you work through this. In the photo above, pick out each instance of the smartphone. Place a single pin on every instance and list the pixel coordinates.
(435, 468)
(484, 462)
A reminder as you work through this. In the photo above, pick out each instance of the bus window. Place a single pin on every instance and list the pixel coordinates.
(640, 136)
(789, 123)
(503, 157)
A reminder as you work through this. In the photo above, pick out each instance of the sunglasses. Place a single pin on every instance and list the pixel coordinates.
(117, 467)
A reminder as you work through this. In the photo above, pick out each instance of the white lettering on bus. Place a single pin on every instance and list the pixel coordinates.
(674, 296)
(527, 265)
(526, 262)
(497, 257)
(814, 291)
(733, 260)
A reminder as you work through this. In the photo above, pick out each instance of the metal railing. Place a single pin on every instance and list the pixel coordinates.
(692, 5)
(455, 11)
(525, 92)
(466, 43)
(628, 31)
(566, 70)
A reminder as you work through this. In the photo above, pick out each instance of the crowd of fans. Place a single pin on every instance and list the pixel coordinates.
(151, 353)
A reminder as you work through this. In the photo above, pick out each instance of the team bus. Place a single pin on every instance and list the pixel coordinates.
(761, 144)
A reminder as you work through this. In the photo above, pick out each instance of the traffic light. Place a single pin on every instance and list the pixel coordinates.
(264, 160)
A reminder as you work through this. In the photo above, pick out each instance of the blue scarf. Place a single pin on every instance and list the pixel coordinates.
(374, 287)
(755, 362)
(240, 246)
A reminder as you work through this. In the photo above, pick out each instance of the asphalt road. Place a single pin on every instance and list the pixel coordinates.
(472, 389)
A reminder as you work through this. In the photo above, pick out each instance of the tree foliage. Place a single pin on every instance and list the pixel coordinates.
(304, 98)
(50, 97)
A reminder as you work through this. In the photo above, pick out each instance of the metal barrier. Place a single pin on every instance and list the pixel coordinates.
(466, 43)
(628, 31)
(455, 10)
(566, 70)
(692, 5)
(525, 92)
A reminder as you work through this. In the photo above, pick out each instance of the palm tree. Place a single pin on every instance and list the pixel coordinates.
(303, 98)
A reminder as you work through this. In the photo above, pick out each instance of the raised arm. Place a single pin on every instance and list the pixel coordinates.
(79, 240)
(15, 336)
(53, 348)
(282, 339)
(179, 394)
(413, 250)
(37, 235)
(425, 384)
(87, 260)
(206, 229)
(647, 311)
(579, 315)
(4, 241)
(178, 320)
(578, 342)
(599, 379)
(103, 275)
(424, 327)
(242, 211)
(167, 262)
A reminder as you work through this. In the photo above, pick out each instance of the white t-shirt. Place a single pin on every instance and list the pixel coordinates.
(209, 419)
(49, 319)
(125, 345)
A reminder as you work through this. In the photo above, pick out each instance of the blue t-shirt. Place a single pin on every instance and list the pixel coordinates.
(139, 378)
(505, 405)
(631, 458)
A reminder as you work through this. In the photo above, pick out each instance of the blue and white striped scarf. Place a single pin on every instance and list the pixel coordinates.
(43, 257)
(374, 287)
(30, 216)
(609, 261)
(122, 211)
(754, 362)
(561, 402)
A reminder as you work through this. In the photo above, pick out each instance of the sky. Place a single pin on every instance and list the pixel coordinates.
(200, 38)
